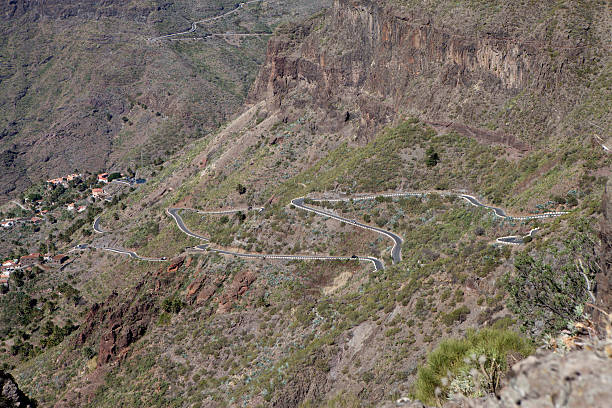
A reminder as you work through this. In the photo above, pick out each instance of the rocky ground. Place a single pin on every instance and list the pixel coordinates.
(573, 380)
(10, 394)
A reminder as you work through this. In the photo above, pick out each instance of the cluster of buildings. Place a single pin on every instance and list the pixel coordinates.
(64, 180)
(101, 178)
(27, 261)
(9, 223)
(98, 193)
(76, 207)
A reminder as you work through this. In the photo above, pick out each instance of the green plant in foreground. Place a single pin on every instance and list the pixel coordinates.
(470, 365)
(544, 297)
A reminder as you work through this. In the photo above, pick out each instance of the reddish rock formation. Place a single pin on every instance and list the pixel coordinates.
(119, 323)
(236, 289)
(202, 289)
(193, 288)
(175, 264)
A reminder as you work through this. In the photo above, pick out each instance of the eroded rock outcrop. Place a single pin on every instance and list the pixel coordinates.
(604, 277)
(203, 288)
(380, 61)
(10, 394)
(240, 284)
(578, 379)
(119, 323)
(575, 380)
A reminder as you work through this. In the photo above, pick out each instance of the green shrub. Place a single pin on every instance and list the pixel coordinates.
(459, 356)
(172, 305)
(432, 158)
(114, 176)
(544, 296)
(457, 315)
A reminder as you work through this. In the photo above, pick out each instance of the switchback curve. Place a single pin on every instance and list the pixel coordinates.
(194, 25)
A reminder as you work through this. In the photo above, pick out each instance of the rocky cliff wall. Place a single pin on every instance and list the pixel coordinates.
(381, 60)
(604, 277)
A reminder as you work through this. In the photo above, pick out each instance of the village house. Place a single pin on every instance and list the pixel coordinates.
(70, 207)
(98, 193)
(103, 178)
(74, 176)
(7, 223)
(59, 259)
(35, 220)
(29, 260)
(81, 208)
(56, 181)
(9, 265)
(4, 277)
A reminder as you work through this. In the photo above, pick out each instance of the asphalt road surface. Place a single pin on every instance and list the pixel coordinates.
(516, 239)
(299, 203)
(396, 253)
(131, 254)
(96, 225)
(194, 25)
(174, 212)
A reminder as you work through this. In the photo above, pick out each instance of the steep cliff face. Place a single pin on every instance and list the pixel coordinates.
(381, 60)
(604, 278)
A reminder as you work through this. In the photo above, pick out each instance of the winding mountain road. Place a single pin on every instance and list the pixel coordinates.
(131, 254)
(174, 213)
(470, 199)
(502, 214)
(194, 25)
(96, 226)
(300, 204)
(239, 35)
(378, 265)
(516, 239)
(396, 254)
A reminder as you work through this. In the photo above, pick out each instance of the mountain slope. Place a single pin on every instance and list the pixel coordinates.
(338, 109)
(84, 88)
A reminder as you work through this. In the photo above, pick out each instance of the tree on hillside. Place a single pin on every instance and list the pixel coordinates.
(432, 157)
(114, 176)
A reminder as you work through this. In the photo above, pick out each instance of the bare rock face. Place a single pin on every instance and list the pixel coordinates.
(578, 379)
(125, 325)
(120, 322)
(175, 264)
(381, 60)
(604, 278)
(202, 289)
(10, 394)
